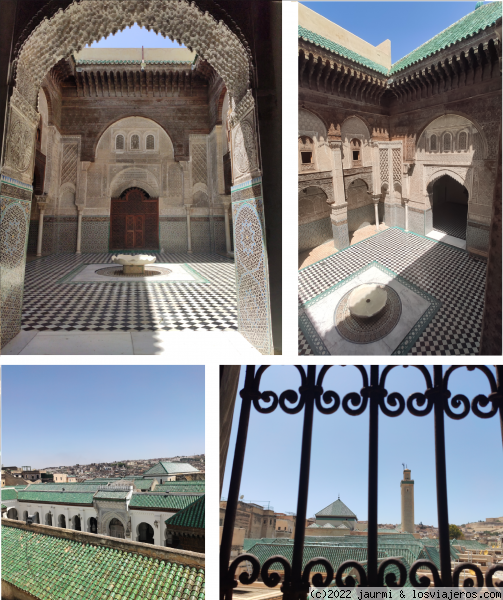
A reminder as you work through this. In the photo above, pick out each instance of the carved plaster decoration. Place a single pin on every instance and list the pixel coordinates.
(317, 180)
(245, 159)
(241, 109)
(20, 149)
(81, 23)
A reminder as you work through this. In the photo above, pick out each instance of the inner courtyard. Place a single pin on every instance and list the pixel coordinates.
(131, 151)
(399, 186)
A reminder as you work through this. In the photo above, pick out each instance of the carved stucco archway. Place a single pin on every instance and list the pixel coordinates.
(104, 523)
(68, 31)
(462, 175)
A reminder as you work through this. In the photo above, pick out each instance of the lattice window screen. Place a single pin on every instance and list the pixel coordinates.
(384, 165)
(397, 165)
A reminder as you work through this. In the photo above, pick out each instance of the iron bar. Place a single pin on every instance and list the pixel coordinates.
(440, 396)
(373, 465)
(235, 484)
(295, 591)
(499, 382)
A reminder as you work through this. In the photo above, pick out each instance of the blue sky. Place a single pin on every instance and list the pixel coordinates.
(64, 415)
(406, 24)
(340, 453)
(135, 37)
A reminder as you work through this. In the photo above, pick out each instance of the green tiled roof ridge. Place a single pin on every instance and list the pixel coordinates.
(192, 516)
(469, 25)
(323, 42)
(478, 20)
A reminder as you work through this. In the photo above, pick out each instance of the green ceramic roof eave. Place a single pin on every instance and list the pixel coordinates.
(478, 20)
(323, 42)
(56, 568)
(481, 18)
(167, 501)
(192, 516)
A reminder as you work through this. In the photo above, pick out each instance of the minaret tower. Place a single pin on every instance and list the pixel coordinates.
(407, 487)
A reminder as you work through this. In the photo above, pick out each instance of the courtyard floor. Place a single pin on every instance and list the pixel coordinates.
(65, 311)
(451, 280)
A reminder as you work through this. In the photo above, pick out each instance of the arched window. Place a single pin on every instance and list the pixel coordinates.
(135, 142)
(356, 152)
(119, 142)
(306, 147)
(150, 142)
(463, 139)
(447, 142)
(433, 142)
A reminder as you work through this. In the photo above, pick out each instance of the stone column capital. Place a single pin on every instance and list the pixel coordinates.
(41, 205)
(188, 208)
(405, 200)
(376, 198)
(85, 164)
(335, 144)
(80, 208)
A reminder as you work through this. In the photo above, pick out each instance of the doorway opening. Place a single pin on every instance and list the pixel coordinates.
(146, 533)
(116, 529)
(450, 207)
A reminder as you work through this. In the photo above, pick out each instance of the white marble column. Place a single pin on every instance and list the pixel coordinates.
(41, 207)
(375, 200)
(227, 229)
(80, 210)
(406, 202)
(189, 236)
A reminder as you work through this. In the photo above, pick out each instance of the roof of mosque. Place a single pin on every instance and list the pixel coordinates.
(169, 468)
(323, 42)
(189, 487)
(63, 568)
(336, 509)
(469, 544)
(9, 494)
(66, 497)
(482, 17)
(192, 516)
(155, 500)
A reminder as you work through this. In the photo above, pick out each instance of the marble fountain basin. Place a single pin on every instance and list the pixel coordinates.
(367, 301)
(133, 264)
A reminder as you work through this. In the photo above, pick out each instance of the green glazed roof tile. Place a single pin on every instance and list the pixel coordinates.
(336, 509)
(53, 568)
(170, 468)
(3, 506)
(169, 501)
(60, 497)
(478, 20)
(192, 516)
(323, 42)
(189, 487)
(9, 494)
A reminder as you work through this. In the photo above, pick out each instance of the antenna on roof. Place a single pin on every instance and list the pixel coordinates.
(339, 496)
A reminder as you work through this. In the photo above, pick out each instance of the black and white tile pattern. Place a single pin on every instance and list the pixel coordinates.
(126, 306)
(449, 274)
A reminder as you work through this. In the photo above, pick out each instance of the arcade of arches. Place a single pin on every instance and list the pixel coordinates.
(409, 154)
(105, 150)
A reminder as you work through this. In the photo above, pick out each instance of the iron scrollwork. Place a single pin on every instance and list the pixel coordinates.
(311, 393)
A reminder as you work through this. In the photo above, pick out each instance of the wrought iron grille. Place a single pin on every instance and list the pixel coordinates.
(373, 395)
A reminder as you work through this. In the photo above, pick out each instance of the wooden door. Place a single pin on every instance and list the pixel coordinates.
(134, 219)
(139, 237)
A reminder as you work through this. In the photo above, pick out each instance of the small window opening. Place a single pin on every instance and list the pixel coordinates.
(307, 157)
(356, 155)
(135, 142)
(150, 142)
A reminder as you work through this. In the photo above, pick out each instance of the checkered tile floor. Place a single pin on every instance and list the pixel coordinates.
(450, 218)
(451, 275)
(127, 306)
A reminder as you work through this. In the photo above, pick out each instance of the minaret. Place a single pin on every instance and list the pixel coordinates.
(407, 486)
